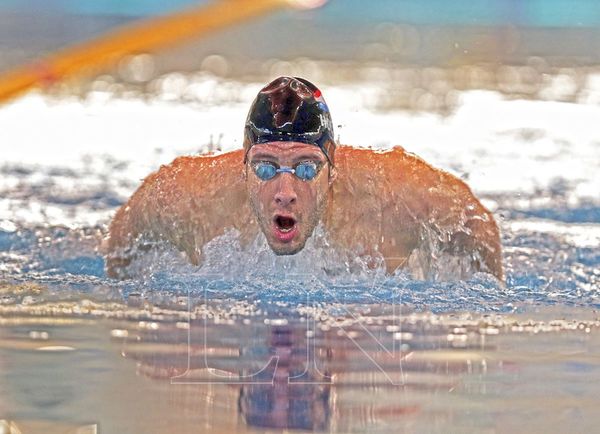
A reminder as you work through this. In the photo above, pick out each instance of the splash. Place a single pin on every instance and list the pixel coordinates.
(538, 179)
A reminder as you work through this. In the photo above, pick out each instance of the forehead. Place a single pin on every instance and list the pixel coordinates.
(286, 150)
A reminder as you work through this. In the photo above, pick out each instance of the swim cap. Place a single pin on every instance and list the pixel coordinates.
(290, 109)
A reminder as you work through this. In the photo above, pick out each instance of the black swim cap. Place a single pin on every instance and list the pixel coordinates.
(290, 109)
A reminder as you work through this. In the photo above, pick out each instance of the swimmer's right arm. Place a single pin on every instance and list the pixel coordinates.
(186, 204)
(151, 215)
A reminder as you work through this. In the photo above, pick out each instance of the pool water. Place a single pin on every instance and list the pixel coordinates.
(252, 342)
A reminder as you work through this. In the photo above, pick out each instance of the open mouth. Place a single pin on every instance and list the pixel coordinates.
(285, 224)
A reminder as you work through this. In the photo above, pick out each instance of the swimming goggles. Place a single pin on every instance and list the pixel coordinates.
(306, 170)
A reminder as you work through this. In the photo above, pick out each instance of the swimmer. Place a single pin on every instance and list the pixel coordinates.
(290, 177)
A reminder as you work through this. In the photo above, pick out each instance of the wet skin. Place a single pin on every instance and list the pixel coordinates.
(288, 208)
(389, 204)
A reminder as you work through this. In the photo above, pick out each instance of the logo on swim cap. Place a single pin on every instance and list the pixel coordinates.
(290, 109)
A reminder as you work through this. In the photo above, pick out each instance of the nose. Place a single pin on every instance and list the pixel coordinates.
(285, 195)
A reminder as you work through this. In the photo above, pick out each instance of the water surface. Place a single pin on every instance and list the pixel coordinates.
(250, 341)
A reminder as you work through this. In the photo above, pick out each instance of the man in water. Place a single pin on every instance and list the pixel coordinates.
(290, 177)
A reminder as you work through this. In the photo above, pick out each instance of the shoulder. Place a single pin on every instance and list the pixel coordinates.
(197, 164)
(397, 175)
(398, 164)
(191, 172)
(404, 183)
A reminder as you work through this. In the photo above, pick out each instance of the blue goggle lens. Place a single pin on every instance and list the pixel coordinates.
(265, 171)
(305, 171)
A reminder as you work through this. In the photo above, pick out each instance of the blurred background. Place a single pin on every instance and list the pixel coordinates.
(420, 52)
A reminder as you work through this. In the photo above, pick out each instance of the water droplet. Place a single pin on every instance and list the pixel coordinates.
(56, 348)
(39, 335)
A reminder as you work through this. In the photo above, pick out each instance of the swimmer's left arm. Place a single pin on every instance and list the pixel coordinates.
(466, 228)
(481, 239)
(437, 220)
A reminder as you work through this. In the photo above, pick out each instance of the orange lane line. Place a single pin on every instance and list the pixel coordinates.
(145, 36)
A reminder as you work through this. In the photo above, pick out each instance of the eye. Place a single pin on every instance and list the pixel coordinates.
(265, 170)
(306, 171)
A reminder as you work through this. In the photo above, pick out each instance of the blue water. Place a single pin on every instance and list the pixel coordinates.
(106, 7)
(537, 13)
(542, 270)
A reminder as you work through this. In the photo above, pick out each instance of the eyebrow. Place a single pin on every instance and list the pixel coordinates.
(304, 156)
(308, 156)
(263, 155)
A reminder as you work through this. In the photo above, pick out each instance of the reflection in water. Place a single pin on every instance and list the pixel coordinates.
(289, 393)
(282, 378)
(314, 372)
(223, 368)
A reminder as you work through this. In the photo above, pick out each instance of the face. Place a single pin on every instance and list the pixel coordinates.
(287, 208)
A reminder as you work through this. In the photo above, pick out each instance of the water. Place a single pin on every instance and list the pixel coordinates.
(222, 348)
(549, 13)
(119, 368)
(399, 33)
